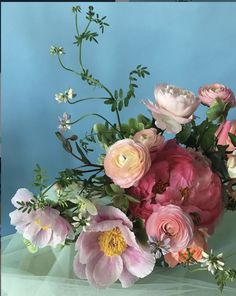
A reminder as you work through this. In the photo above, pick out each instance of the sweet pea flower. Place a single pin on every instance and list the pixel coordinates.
(108, 251)
(231, 165)
(196, 248)
(209, 93)
(174, 223)
(126, 162)
(42, 227)
(149, 138)
(174, 107)
(222, 134)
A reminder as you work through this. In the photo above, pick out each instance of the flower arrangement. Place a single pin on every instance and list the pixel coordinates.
(147, 200)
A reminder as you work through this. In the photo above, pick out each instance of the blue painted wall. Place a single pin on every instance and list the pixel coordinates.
(187, 44)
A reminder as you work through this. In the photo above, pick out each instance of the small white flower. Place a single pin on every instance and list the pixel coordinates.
(54, 50)
(66, 96)
(64, 122)
(80, 220)
(212, 262)
(61, 98)
(70, 93)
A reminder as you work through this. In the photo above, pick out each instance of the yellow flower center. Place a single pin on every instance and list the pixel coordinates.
(112, 242)
(43, 227)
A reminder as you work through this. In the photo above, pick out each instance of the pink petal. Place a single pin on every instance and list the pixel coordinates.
(90, 268)
(103, 225)
(112, 213)
(79, 268)
(127, 279)
(138, 263)
(107, 270)
(42, 238)
(87, 245)
(22, 194)
(128, 236)
(20, 220)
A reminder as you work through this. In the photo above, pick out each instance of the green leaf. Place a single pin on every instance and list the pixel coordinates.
(121, 93)
(120, 105)
(132, 198)
(83, 156)
(216, 110)
(121, 202)
(126, 101)
(185, 133)
(233, 139)
(59, 136)
(140, 231)
(67, 146)
(116, 94)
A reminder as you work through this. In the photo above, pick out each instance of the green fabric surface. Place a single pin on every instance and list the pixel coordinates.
(50, 271)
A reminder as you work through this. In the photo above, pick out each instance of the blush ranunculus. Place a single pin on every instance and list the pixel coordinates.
(174, 106)
(222, 134)
(209, 93)
(149, 138)
(182, 177)
(195, 247)
(108, 251)
(127, 162)
(172, 222)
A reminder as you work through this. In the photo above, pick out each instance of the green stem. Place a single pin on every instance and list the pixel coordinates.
(86, 99)
(197, 269)
(66, 68)
(233, 254)
(43, 193)
(76, 24)
(98, 115)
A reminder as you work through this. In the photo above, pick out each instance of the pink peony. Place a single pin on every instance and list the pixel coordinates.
(149, 138)
(108, 251)
(222, 134)
(171, 221)
(195, 247)
(43, 227)
(174, 106)
(126, 162)
(209, 93)
(182, 177)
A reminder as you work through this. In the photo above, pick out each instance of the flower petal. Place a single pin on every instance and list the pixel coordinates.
(90, 268)
(138, 263)
(127, 279)
(103, 226)
(42, 238)
(22, 194)
(107, 270)
(79, 268)
(87, 246)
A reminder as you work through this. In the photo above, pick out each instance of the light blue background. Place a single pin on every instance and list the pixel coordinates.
(187, 44)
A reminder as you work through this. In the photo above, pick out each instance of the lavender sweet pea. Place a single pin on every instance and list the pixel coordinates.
(108, 251)
(43, 227)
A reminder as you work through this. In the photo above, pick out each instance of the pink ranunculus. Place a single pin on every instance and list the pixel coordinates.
(209, 93)
(222, 134)
(149, 138)
(126, 162)
(182, 177)
(108, 251)
(195, 247)
(171, 221)
(174, 106)
(42, 227)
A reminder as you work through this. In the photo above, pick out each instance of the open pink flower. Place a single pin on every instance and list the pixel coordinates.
(43, 227)
(171, 221)
(149, 138)
(174, 107)
(209, 93)
(126, 162)
(222, 134)
(195, 248)
(181, 177)
(108, 251)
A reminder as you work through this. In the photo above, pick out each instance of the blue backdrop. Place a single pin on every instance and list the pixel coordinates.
(186, 44)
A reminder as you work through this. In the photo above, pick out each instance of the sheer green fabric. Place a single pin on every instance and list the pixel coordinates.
(50, 271)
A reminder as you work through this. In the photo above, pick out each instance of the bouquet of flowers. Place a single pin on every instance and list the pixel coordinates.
(147, 200)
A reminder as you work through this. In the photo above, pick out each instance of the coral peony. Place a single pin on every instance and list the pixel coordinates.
(174, 106)
(172, 222)
(209, 93)
(108, 251)
(222, 134)
(126, 162)
(43, 227)
(182, 177)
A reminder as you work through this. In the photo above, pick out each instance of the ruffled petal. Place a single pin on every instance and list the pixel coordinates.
(22, 194)
(128, 236)
(42, 238)
(87, 246)
(79, 268)
(138, 262)
(127, 279)
(103, 225)
(90, 268)
(107, 270)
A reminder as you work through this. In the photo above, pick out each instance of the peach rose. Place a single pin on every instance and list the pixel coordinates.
(126, 162)
(172, 222)
(149, 138)
(223, 134)
(196, 247)
(209, 93)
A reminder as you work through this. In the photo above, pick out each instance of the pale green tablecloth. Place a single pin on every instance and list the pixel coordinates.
(49, 272)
